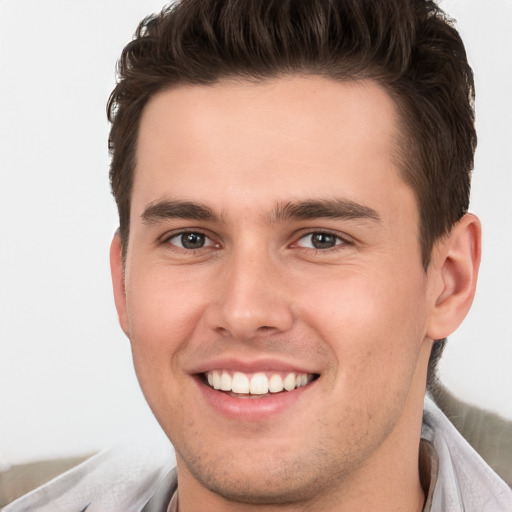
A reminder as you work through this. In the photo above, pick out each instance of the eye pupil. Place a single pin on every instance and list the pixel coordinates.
(323, 240)
(192, 240)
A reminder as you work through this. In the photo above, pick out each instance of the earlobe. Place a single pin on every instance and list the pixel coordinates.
(456, 262)
(117, 272)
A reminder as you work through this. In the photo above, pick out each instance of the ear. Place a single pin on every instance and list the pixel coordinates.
(117, 272)
(454, 272)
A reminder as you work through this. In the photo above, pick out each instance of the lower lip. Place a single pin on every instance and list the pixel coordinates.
(251, 409)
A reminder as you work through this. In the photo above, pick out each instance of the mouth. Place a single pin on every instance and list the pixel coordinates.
(255, 384)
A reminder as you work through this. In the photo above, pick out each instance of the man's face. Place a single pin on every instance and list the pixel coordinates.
(273, 243)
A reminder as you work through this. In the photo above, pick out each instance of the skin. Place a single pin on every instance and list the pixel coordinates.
(361, 315)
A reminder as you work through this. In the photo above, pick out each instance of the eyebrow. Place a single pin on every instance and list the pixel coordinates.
(324, 208)
(161, 210)
(290, 210)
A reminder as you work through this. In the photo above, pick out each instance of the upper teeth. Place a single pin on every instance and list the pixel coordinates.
(259, 383)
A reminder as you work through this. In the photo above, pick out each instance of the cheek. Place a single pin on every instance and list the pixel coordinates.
(162, 314)
(374, 325)
(160, 304)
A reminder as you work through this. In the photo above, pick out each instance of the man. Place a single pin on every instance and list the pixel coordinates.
(292, 180)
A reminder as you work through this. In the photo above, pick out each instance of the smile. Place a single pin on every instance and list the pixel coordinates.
(259, 383)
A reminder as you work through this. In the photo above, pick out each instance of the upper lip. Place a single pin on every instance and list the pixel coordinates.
(251, 365)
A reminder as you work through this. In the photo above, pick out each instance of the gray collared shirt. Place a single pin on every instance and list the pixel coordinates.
(461, 481)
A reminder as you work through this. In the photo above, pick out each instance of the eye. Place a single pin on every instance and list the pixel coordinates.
(319, 240)
(190, 240)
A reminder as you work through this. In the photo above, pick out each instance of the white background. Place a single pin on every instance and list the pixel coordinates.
(66, 381)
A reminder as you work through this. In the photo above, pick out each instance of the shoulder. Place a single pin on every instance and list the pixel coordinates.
(121, 478)
(464, 480)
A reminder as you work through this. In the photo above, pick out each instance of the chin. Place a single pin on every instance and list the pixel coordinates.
(265, 477)
(258, 487)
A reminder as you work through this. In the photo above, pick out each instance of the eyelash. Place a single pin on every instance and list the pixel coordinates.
(340, 241)
(167, 240)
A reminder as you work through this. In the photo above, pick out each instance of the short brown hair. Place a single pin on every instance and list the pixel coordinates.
(410, 47)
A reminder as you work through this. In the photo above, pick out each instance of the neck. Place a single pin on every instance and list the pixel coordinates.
(387, 482)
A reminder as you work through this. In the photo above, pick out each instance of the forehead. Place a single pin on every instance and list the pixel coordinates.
(265, 141)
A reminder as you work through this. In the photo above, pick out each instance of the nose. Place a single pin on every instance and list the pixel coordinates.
(251, 298)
